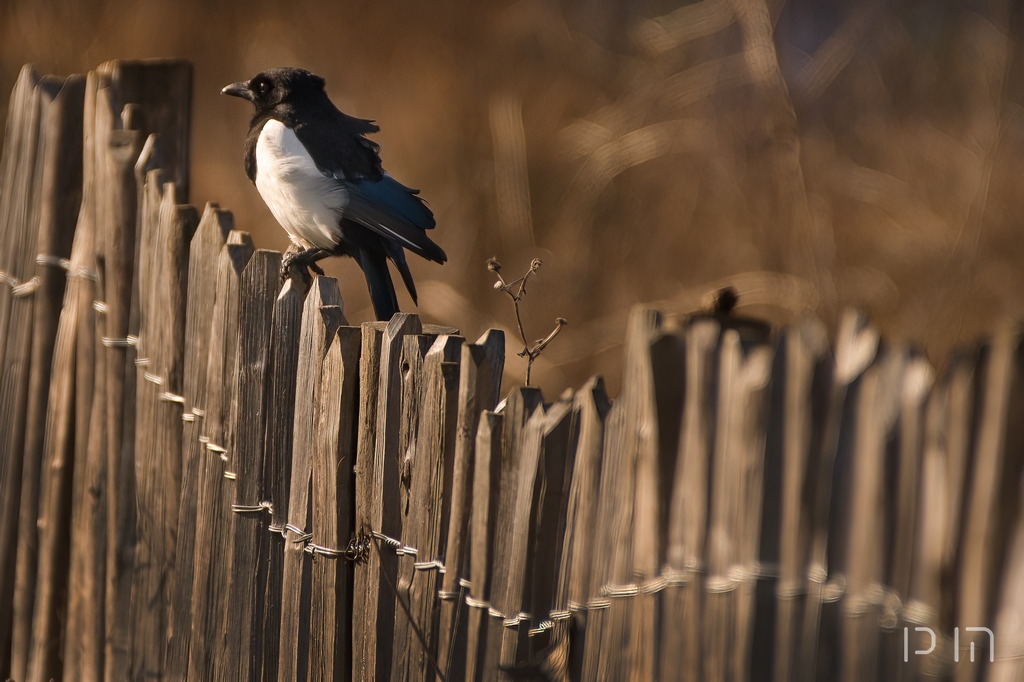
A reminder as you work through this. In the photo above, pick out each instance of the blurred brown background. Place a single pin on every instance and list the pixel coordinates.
(815, 154)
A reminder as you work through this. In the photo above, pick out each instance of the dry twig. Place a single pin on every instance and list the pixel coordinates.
(516, 289)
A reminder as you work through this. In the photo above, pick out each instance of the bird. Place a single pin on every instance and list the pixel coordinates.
(322, 179)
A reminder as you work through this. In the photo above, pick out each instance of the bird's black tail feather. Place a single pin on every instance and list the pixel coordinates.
(397, 255)
(378, 280)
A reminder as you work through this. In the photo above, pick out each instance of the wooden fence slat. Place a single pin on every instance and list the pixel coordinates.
(546, 533)
(83, 635)
(204, 250)
(480, 372)
(54, 345)
(688, 508)
(209, 576)
(904, 495)
(856, 348)
(41, 307)
(800, 368)
(574, 590)
(514, 529)
(1007, 625)
(238, 657)
(158, 432)
(321, 317)
(946, 435)
(333, 508)
(754, 376)
(486, 495)
(379, 492)
(723, 508)
(657, 397)
(19, 222)
(117, 219)
(277, 458)
(990, 501)
(861, 560)
(363, 617)
(429, 455)
(631, 437)
(520, 406)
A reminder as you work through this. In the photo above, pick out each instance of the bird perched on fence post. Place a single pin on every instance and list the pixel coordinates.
(323, 181)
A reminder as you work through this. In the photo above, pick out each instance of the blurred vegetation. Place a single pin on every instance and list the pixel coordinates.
(813, 153)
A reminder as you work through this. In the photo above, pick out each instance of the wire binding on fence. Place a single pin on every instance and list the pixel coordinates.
(26, 289)
(429, 566)
(265, 505)
(53, 261)
(122, 343)
(21, 289)
(357, 551)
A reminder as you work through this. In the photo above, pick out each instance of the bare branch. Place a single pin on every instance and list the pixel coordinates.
(516, 289)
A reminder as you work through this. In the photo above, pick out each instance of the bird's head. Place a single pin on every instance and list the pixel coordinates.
(269, 88)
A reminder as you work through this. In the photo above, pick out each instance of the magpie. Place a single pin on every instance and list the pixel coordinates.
(322, 179)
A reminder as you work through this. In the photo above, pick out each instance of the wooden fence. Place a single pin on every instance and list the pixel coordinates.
(209, 476)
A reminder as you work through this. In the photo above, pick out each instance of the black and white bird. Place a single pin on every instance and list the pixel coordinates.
(323, 181)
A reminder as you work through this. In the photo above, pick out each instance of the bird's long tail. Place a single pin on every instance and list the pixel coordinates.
(378, 280)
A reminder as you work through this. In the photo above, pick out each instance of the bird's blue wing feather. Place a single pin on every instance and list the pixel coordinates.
(397, 198)
(393, 211)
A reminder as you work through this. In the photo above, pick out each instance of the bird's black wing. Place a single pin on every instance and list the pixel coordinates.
(377, 201)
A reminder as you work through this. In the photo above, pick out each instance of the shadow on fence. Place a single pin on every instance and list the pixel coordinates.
(208, 476)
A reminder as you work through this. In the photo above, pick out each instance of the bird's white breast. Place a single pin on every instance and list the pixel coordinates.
(305, 202)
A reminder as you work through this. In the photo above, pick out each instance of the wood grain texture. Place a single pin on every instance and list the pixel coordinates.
(487, 494)
(333, 507)
(19, 218)
(480, 371)
(521, 405)
(376, 604)
(630, 447)
(204, 250)
(363, 615)
(83, 635)
(209, 576)
(158, 433)
(284, 356)
(53, 346)
(321, 317)
(239, 653)
(429, 466)
(591, 406)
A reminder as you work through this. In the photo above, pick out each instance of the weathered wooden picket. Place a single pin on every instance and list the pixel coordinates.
(206, 475)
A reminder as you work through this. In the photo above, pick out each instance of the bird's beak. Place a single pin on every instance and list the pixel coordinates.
(240, 89)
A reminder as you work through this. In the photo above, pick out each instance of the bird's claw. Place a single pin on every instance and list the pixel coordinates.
(304, 265)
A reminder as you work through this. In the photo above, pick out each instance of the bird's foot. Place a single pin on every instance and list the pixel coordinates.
(303, 262)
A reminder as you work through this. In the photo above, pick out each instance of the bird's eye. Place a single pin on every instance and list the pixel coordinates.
(262, 87)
